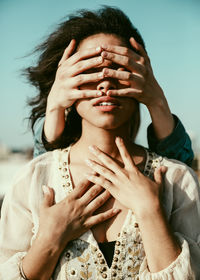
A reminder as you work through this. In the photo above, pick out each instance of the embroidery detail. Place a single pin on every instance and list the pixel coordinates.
(86, 261)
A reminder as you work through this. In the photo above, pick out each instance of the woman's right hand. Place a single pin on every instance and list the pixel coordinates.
(65, 90)
(74, 215)
(69, 76)
(62, 222)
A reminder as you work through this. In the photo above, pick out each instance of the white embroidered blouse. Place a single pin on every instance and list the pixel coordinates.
(82, 258)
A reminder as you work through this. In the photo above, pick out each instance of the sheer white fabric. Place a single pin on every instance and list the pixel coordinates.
(20, 221)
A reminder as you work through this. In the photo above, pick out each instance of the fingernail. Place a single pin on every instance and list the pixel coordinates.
(93, 149)
(45, 189)
(104, 54)
(105, 71)
(116, 210)
(89, 162)
(99, 93)
(104, 47)
(98, 49)
(88, 176)
(100, 75)
(119, 139)
(100, 59)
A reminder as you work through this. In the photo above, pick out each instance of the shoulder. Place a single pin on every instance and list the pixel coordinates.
(181, 179)
(179, 170)
(178, 173)
(39, 167)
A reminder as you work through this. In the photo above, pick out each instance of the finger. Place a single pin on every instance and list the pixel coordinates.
(123, 75)
(68, 51)
(82, 94)
(127, 61)
(158, 174)
(101, 181)
(124, 51)
(101, 170)
(90, 194)
(84, 65)
(99, 218)
(126, 92)
(97, 202)
(111, 166)
(81, 188)
(86, 78)
(126, 157)
(140, 49)
(83, 54)
(48, 200)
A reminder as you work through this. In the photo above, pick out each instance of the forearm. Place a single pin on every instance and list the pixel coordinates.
(54, 123)
(158, 239)
(162, 119)
(41, 259)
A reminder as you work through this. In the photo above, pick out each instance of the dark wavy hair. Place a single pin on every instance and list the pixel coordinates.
(78, 26)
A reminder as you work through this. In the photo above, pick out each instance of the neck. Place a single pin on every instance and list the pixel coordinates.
(104, 139)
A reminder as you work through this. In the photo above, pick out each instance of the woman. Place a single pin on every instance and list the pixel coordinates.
(70, 233)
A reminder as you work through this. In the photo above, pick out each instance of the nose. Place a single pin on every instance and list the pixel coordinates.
(106, 84)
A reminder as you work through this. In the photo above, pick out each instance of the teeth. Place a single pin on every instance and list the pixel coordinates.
(106, 104)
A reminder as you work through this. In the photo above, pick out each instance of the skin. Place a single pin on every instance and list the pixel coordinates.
(111, 165)
(139, 77)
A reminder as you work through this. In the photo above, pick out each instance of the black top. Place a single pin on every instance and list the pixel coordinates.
(107, 248)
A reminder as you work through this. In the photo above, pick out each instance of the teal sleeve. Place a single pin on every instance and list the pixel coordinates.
(176, 146)
(38, 143)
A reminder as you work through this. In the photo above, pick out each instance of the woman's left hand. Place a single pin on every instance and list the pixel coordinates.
(136, 73)
(126, 184)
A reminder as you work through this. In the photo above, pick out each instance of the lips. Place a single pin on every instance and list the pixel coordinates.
(106, 101)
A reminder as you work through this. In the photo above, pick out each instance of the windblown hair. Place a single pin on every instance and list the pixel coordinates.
(78, 26)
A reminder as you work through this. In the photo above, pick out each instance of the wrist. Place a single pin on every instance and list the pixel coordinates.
(150, 211)
(52, 107)
(158, 104)
(48, 243)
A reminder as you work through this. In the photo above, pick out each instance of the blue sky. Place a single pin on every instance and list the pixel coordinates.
(170, 28)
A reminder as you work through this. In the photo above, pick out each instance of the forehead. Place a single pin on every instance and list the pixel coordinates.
(100, 40)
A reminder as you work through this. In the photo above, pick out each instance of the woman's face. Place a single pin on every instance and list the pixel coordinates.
(105, 112)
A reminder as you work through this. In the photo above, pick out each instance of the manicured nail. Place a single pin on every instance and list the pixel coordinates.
(88, 176)
(98, 49)
(89, 162)
(105, 71)
(104, 47)
(100, 59)
(93, 150)
(104, 54)
(100, 75)
(119, 139)
(115, 210)
(45, 189)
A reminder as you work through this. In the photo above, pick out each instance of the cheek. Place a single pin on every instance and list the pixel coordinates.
(81, 107)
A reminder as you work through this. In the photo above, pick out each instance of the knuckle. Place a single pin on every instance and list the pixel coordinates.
(129, 76)
(127, 60)
(100, 201)
(94, 192)
(83, 95)
(79, 79)
(101, 181)
(142, 60)
(126, 51)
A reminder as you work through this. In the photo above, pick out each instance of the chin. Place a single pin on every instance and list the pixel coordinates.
(108, 123)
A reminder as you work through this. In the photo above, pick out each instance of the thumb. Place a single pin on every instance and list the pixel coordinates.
(139, 48)
(158, 173)
(48, 200)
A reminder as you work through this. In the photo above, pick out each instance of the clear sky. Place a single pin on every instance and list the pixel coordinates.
(170, 28)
